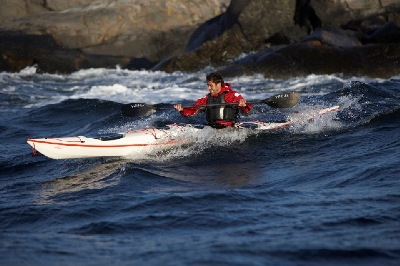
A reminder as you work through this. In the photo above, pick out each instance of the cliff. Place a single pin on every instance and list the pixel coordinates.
(276, 38)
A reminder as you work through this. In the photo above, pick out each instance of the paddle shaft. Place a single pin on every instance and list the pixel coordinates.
(285, 100)
(219, 104)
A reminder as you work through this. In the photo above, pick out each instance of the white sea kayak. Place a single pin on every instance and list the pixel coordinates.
(142, 141)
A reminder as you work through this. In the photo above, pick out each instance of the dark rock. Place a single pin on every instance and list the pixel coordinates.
(301, 59)
(388, 33)
(290, 35)
(260, 20)
(140, 63)
(215, 52)
(334, 37)
(22, 50)
(255, 23)
(210, 30)
(216, 26)
(305, 16)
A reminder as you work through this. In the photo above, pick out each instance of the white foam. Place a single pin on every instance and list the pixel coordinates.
(310, 122)
(125, 86)
(198, 141)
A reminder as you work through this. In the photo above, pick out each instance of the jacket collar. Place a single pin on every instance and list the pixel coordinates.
(225, 88)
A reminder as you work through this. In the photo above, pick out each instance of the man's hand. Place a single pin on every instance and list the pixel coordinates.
(242, 103)
(178, 107)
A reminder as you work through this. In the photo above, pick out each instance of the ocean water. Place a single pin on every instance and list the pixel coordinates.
(325, 192)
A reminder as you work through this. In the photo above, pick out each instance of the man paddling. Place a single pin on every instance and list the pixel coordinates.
(218, 113)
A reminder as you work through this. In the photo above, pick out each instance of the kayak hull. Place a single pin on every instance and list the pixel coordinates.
(126, 144)
(137, 142)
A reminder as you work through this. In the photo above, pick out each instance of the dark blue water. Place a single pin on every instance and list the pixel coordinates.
(324, 193)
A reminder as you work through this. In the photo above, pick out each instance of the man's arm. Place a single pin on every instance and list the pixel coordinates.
(190, 111)
(235, 97)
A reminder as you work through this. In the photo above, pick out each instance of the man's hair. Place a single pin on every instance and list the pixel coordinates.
(215, 77)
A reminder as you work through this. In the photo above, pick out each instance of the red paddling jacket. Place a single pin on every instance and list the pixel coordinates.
(222, 115)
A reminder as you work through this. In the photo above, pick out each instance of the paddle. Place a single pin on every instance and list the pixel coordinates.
(284, 100)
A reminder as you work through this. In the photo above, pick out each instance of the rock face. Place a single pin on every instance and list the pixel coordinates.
(279, 38)
(129, 31)
(304, 37)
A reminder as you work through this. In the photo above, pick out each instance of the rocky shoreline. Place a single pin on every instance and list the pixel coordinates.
(279, 39)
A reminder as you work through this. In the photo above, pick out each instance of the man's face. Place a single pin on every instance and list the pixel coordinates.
(214, 88)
